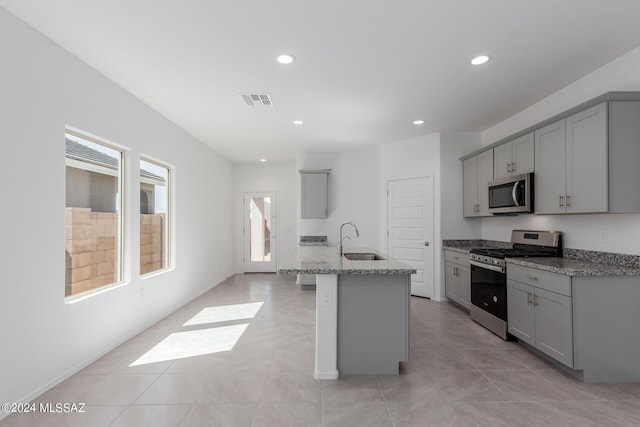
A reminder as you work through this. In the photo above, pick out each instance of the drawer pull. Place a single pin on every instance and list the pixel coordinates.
(529, 298)
(531, 277)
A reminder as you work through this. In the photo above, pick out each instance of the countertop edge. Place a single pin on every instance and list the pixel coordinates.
(574, 268)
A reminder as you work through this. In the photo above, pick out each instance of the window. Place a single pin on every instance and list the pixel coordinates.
(92, 216)
(154, 216)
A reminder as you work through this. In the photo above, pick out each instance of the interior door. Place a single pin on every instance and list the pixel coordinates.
(260, 226)
(410, 229)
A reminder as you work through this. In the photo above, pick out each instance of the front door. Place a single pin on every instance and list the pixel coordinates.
(410, 229)
(260, 232)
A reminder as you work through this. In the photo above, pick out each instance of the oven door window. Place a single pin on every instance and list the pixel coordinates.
(489, 291)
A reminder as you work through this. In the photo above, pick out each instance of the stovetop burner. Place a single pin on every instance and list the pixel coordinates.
(511, 253)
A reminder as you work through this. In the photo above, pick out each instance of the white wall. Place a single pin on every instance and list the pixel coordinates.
(612, 233)
(454, 145)
(43, 339)
(353, 196)
(279, 178)
(413, 158)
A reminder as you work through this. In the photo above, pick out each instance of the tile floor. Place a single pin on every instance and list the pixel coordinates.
(459, 375)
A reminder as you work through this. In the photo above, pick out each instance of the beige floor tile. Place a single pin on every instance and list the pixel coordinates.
(493, 359)
(173, 389)
(94, 416)
(459, 374)
(466, 386)
(116, 389)
(352, 389)
(241, 387)
(295, 386)
(526, 386)
(365, 414)
(152, 415)
(223, 415)
(409, 388)
(288, 414)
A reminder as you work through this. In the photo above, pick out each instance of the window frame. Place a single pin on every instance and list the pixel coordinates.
(167, 243)
(121, 211)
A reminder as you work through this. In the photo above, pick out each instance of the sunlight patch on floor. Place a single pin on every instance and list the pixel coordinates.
(179, 345)
(225, 313)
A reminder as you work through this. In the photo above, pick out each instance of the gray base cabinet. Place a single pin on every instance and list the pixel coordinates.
(373, 323)
(539, 311)
(457, 279)
(588, 324)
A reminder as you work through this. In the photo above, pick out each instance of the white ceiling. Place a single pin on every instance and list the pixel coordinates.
(365, 69)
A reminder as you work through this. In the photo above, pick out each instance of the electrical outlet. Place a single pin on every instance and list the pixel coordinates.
(327, 298)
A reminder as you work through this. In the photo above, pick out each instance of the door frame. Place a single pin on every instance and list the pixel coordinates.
(433, 245)
(273, 267)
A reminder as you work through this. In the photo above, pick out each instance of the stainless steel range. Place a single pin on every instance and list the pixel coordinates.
(489, 275)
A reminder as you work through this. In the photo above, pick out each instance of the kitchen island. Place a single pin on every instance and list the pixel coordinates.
(362, 310)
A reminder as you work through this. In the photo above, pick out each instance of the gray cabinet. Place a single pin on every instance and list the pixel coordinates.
(314, 194)
(540, 311)
(514, 157)
(571, 164)
(374, 319)
(477, 172)
(457, 279)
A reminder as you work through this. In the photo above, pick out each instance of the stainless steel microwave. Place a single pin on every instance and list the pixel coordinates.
(513, 194)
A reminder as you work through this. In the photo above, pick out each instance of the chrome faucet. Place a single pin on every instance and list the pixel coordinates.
(347, 237)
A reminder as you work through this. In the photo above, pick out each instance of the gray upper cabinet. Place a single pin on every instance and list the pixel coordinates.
(514, 157)
(549, 187)
(586, 173)
(314, 197)
(477, 172)
(571, 164)
(585, 160)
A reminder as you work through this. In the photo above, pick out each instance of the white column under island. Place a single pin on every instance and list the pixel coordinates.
(363, 316)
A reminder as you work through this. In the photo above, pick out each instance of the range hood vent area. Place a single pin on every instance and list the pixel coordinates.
(257, 99)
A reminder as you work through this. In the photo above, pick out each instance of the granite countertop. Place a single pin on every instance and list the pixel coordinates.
(313, 241)
(575, 267)
(325, 260)
(465, 245)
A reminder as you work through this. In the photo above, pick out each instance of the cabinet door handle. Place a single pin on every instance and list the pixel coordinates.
(513, 166)
(529, 298)
(531, 277)
(561, 201)
(509, 167)
(567, 200)
(535, 300)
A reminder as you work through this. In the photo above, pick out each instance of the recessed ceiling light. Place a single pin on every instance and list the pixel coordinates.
(298, 122)
(286, 58)
(418, 122)
(263, 160)
(479, 60)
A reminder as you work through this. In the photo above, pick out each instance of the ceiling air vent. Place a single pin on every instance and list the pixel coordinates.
(257, 99)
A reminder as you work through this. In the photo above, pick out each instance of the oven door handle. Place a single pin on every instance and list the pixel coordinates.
(497, 268)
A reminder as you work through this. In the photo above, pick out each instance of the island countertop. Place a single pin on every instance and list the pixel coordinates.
(326, 260)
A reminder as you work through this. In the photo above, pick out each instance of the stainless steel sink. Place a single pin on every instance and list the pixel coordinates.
(363, 256)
